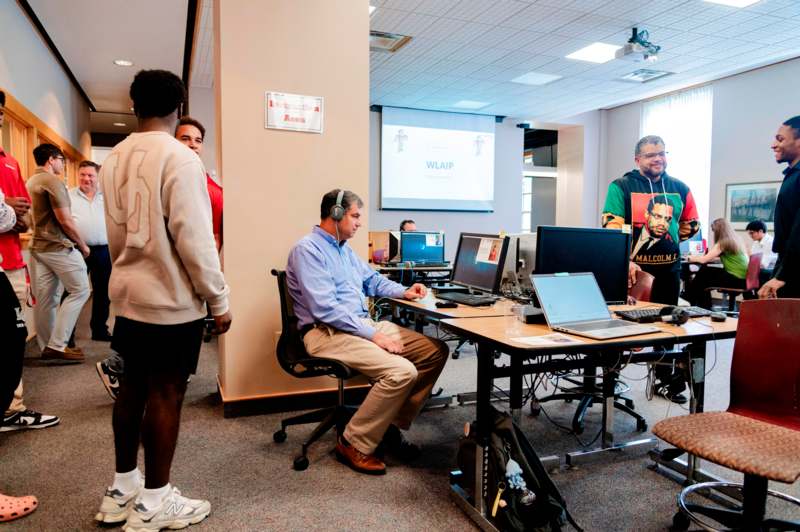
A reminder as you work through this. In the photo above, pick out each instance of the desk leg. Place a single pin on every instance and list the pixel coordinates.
(475, 507)
(483, 422)
(609, 386)
(516, 391)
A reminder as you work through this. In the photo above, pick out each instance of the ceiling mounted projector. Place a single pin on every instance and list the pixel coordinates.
(638, 48)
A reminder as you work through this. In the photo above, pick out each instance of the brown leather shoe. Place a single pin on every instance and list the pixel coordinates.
(68, 355)
(363, 463)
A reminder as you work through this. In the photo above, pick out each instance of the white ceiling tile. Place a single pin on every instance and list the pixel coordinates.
(386, 20)
(471, 49)
(404, 5)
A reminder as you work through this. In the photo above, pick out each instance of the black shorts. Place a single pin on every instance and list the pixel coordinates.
(149, 349)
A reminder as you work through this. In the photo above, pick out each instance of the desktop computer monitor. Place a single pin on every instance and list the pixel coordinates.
(604, 252)
(526, 256)
(520, 258)
(421, 247)
(479, 261)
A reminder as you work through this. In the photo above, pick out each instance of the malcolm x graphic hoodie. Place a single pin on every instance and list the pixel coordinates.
(660, 213)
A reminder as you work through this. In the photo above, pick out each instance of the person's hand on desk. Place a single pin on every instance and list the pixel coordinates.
(770, 289)
(388, 343)
(632, 269)
(416, 291)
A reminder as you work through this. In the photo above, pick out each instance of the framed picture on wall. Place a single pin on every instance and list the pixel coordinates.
(745, 202)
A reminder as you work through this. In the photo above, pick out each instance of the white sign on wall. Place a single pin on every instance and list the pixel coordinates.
(294, 112)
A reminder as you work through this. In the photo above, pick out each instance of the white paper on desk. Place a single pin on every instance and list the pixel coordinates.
(548, 340)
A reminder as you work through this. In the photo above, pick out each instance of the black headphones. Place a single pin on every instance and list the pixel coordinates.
(337, 211)
(676, 315)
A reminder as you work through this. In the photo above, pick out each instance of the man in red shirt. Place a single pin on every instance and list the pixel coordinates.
(17, 417)
(191, 133)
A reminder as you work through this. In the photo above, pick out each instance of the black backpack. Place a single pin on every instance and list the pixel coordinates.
(539, 507)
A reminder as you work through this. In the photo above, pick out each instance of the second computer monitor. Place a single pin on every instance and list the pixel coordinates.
(422, 247)
(603, 252)
(479, 261)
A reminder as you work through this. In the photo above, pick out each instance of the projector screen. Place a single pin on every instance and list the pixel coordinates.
(436, 161)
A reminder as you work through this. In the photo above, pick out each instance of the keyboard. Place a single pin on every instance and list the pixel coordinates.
(648, 313)
(467, 299)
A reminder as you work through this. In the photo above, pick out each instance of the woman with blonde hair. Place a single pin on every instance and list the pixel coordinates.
(729, 250)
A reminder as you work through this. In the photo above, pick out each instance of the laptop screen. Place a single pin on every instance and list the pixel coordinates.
(569, 298)
(422, 247)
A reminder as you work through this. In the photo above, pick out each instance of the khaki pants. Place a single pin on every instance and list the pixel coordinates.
(400, 383)
(54, 272)
(20, 286)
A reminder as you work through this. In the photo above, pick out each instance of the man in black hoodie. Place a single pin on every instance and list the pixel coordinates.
(661, 211)
(785, 280)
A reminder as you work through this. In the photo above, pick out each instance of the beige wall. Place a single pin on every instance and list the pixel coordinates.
(274, 180)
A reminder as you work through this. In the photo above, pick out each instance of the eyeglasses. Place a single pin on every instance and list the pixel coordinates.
(649, 156)
(60, 157)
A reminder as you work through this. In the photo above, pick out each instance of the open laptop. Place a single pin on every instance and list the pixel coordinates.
(572, 303)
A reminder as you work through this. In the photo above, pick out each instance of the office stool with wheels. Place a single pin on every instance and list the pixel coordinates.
(759, 434)
(294, 359)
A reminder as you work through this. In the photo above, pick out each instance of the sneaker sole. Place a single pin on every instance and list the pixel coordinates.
(111, 518)
(11, 428)
(172, 525)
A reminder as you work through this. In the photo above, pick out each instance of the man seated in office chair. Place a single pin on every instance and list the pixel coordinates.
(329, 284)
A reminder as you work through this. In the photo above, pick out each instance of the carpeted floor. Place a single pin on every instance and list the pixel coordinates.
(249, 480)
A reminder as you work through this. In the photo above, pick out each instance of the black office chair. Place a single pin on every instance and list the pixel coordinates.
(294, 359)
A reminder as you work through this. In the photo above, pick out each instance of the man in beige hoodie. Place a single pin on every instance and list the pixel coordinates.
(165, 269)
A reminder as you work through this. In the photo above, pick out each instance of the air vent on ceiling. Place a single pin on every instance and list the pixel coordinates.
(644, 75)
(380, 41)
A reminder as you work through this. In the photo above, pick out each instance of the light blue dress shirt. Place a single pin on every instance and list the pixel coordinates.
(329, 284)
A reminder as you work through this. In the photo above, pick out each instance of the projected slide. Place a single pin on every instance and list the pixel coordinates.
(436, 161)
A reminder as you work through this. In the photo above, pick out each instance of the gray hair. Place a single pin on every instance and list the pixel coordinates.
(649, 139)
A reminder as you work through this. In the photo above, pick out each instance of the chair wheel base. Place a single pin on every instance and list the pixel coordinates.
(300, 463)
(279, 436)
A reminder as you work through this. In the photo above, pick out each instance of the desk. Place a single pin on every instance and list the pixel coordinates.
(490, 335)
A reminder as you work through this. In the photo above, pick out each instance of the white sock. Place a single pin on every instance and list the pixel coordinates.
(152, 498)
(127, 482)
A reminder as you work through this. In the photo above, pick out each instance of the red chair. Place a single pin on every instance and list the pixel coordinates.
(759, 434)
(751, 283)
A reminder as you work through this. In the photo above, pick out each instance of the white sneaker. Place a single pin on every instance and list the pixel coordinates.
(116, 505)
(174, 512)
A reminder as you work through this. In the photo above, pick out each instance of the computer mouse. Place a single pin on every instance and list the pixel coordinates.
(718, 316)
(446, 304)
